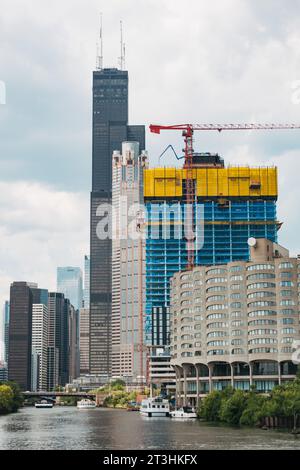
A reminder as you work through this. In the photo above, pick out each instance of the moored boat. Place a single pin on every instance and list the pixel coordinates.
(86, 404)
(44, 404)
(186, 412)
(155, 408)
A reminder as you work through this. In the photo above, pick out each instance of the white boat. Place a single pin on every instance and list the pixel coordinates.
(86, 404)
(44, 404)
(184, 412)
(155, 408)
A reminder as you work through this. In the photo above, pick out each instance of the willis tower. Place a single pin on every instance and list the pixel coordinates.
(110, 129)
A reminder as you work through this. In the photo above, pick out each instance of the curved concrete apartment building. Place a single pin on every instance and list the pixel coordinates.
(236, 324)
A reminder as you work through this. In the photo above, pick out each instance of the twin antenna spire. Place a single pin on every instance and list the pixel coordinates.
(99, 60)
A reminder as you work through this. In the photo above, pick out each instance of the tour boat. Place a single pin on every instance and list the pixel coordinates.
(44, 404)
(184, 412)
(155, 408)
(86, 404)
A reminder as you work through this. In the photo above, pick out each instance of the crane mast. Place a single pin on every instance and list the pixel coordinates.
(187, 133)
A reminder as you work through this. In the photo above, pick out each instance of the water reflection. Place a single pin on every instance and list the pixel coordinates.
(69, 428)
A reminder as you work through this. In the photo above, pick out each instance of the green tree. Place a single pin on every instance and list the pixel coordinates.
(253, 411)
(233, 407)
(6, 399)
(18, 399)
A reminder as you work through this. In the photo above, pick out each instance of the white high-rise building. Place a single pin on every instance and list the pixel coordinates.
(128, 263)
(39, 346)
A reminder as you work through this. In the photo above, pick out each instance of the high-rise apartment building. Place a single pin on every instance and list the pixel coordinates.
(84, 342)
(236, 324)
(230, 206)
(86, 288)
(20, 334)
(39, 347)
(110, 129)
(69, 283)
(128, 263)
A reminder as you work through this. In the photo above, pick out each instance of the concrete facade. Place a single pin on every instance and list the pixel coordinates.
(235, 324)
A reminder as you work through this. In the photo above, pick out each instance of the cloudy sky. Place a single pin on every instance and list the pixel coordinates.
(228, 61)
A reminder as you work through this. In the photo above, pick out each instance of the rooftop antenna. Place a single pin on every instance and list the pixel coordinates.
(122, 45)
(99, 61)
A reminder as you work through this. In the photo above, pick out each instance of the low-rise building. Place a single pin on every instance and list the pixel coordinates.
(236, 324)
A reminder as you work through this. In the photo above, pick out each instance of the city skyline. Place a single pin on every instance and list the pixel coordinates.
(255, 43)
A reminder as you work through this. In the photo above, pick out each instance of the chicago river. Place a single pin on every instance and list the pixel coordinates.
(69, 428)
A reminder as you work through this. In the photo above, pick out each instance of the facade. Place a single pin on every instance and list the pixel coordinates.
(235, 324)
(128, 261)
(3, 372)
(20, 334)
(74, 357)
(86, 289)
(58, 340)
(110, 129)
(39, 347)
(6, 330)
(69, 283)
(231, 205)
(84, 341)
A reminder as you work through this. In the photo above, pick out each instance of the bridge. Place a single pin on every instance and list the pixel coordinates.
(58, 394)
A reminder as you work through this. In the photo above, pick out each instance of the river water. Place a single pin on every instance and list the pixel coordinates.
(69, 428)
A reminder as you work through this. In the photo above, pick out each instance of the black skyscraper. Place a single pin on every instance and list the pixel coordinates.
(110, 129)
(20, 330)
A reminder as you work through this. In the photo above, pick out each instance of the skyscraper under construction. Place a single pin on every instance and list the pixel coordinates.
(110, 129)
(230, 205)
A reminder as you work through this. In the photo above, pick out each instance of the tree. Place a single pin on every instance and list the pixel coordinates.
(232, 408)
(6, 399)
(210, 406)
(18, 399)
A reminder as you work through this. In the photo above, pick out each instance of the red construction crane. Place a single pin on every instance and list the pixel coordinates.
(187, 133)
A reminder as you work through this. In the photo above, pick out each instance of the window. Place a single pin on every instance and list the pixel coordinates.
(216, 334)
(285, 266)
(212, 272)
(235, 269)
(237, 323)
(261, 294)
(288, 331)
(262, 332)
(263, 341)
(216, 307)
(261, 267)
(236, 278)
(217, 325)
(236, 295)
(287, 340)
(287, 321)
(236, 333)
(235, 287)
(254, 277)
(262, 285)
(262, 303)
(236, 342)
(287, 302)
(217, 343)
(216, 298)
(215, 280)
(262, 321)
(262, 313)
(286, 284)
(216, 316)
(236, 305)
(216, 289)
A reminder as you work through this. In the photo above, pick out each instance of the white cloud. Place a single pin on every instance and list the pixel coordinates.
(40, 229)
